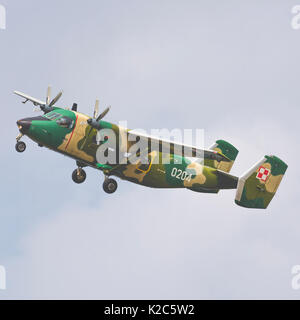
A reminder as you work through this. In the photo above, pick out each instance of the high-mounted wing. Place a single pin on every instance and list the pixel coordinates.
(35, 101)
(159, 144)
(44, 106)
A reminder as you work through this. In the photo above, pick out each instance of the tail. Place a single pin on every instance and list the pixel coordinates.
(257, 187)
(226, 149)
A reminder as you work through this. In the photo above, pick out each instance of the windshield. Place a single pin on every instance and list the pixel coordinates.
(65, 122)
(52, 115)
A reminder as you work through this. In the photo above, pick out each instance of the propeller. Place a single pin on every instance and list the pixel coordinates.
(94, 122)
(53, 102)
(49, 105)
(104, 113)
(48, 95)
(96, 110)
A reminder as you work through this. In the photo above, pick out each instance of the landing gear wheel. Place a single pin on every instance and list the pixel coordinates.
(20, 146)
(78, 176)
(110, 186)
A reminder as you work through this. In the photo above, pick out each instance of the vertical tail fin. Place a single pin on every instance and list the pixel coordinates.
(228, 150)
(257, 187)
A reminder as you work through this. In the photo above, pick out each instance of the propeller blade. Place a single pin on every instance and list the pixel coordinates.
(103, 114)
(52, 103)
(96, 110)
(48, 95)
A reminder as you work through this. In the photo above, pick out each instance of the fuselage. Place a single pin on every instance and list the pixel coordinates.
(67, 132)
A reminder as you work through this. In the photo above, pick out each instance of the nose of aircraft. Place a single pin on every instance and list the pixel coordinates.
(24, 125)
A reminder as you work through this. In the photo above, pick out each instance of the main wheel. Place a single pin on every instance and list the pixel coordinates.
(20, 146)
(110, 186)
(78, 176)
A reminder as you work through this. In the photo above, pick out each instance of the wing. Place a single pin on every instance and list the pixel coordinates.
(178, 148)
(35, 101)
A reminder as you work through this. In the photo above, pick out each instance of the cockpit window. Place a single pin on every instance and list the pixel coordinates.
(65, 122)
(52, 115)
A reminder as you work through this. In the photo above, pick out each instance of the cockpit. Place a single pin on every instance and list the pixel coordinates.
(62, 121)
(65, 122)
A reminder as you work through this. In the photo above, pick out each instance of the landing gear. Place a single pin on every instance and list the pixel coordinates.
(20, 146)
(110, 185)
(78, 176)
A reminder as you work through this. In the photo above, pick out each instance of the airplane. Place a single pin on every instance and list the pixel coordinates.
(82, 137)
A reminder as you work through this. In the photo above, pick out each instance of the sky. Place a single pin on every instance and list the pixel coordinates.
(231, 68)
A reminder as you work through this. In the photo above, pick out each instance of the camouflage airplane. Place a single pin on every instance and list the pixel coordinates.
(80, 137)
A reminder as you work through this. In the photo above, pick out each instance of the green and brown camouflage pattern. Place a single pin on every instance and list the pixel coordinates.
(256, 193)
(209, 175)
(226, 149)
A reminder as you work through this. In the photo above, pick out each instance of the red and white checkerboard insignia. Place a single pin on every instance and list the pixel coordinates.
(263, 174)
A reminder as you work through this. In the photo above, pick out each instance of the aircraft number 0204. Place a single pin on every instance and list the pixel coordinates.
(180, 174)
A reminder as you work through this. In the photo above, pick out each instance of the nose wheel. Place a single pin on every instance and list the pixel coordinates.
(20, 146)
(78, 176)
(110, 185)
